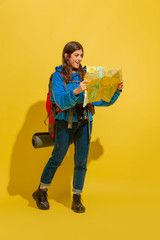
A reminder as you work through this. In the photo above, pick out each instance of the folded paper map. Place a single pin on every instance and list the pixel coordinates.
(102, 84)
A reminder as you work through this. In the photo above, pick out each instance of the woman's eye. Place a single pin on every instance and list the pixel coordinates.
(76, 55)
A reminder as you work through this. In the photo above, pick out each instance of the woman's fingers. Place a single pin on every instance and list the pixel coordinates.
(85, 81)
(84, 84)
(120, 85)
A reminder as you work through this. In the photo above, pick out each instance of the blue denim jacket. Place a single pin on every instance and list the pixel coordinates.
(66, 99)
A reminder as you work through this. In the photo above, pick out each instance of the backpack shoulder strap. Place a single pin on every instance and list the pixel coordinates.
(64, 81)
(50, 82)
(71, 109)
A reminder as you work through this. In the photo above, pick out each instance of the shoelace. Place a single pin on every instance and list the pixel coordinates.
(43, 195)
(78, 200)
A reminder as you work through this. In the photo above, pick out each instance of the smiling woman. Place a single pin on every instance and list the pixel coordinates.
(73, 124)
(71, 60)
(75, 59)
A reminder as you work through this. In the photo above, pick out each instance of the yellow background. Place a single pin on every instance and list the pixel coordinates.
(121, 192)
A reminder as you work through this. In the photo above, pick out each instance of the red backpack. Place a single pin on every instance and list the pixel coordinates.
(52, 109)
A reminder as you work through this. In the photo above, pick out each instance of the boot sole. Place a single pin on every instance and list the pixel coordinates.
(78, 211)
(34, 195)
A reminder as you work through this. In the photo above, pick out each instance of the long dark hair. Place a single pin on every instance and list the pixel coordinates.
(69, 48)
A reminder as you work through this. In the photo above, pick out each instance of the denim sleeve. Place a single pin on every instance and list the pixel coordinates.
(103, 103)
(60, 95)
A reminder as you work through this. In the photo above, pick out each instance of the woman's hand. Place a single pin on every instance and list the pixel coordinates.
(82, 87)
(120, 85)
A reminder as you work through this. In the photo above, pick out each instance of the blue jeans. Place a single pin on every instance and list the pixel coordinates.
(63, 138)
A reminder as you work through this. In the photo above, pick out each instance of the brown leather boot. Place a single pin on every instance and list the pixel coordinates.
(40, 196)
(77, 206)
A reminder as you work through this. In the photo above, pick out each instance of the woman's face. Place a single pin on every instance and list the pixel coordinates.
(75, 59)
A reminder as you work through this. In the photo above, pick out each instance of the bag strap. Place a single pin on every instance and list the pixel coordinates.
(70, 119)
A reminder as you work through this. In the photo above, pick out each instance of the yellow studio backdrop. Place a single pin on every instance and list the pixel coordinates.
(121, 191)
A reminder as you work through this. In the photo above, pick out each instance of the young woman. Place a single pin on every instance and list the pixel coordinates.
(73, 124)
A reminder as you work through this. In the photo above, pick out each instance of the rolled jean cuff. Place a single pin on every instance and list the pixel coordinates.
(77, 190)
(45, 184)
